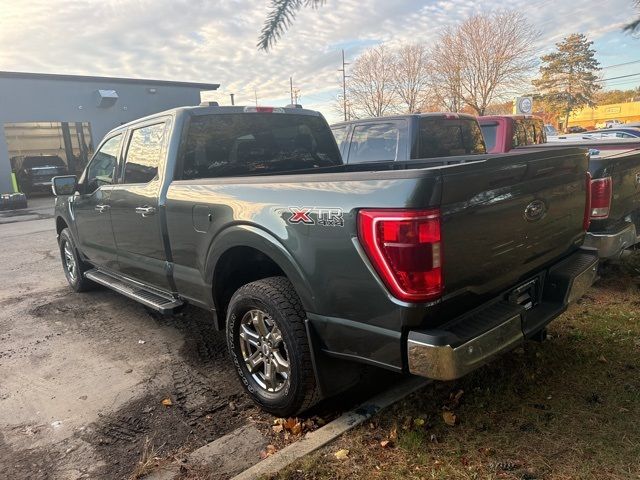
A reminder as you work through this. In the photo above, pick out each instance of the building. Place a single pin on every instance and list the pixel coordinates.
(590, 117)
(67, 115)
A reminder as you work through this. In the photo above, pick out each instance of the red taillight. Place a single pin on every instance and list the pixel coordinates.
(601, 189)
(405, 249)
(586, 222)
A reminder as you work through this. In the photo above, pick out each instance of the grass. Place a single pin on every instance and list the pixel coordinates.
(568, 408)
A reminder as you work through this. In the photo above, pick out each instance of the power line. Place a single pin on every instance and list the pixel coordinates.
(615, 78)
(621, 64)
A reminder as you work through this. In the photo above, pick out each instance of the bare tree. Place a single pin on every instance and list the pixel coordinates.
(480, 60)
(411, 76)
(370, 88)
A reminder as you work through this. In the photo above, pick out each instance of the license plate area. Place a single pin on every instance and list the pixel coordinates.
(528, 294)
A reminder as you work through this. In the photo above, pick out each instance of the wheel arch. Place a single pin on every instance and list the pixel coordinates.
(242, 254)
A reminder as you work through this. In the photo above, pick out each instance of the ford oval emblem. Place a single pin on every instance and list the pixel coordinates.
(535, 211)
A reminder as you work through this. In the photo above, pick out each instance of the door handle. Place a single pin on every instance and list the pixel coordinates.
(146, 211)
(102, 208)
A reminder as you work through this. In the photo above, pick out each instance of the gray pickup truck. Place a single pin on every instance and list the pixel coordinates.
(314, 266)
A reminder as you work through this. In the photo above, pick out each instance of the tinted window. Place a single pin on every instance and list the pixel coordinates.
(374, 142)
(339, 133)
(256, 143)
(489, 132)
(144, 153)
(103, 164)
(444, 137)
(44, 161)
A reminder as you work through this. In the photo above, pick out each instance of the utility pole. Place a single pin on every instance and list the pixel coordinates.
(255, 92)
(344, 85)
(291, 88)
(296, 95)
(232, 102)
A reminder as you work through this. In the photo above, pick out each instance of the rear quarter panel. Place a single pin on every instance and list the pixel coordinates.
(326, 256)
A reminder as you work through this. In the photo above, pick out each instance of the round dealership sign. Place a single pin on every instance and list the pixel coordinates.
(525, 105)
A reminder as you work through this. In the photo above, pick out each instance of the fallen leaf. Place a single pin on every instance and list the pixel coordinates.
(167, 402)
(267, 452)
(342, 454)
(289, 423)
(450, 418)
(393, 434)
(277, 428)
(384, 443)
(419, 422)
(602, 359)
(296, 429)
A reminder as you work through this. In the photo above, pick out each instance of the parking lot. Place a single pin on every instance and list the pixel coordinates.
(84, 375)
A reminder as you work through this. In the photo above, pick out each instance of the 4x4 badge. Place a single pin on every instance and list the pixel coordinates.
(325, 216)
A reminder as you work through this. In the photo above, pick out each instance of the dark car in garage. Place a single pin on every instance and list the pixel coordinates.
(34, 172)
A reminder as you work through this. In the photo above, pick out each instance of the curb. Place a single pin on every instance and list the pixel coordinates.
(314, 440)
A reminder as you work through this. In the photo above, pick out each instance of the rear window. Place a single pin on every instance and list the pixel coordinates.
(256, 143)
(374, 142)
(445, 137)
(31, 162)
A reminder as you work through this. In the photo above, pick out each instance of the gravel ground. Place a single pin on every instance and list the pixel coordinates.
(83, 376)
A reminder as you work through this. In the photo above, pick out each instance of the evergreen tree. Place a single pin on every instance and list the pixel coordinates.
(568, 80)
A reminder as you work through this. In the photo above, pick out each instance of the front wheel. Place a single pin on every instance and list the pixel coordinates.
(268, 343)
(72, 264)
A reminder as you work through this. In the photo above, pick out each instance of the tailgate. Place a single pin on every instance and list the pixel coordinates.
(506, 218)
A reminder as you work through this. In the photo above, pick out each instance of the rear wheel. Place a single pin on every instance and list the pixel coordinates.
(268, 343)
(72, 264)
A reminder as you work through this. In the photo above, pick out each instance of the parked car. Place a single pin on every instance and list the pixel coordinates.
(503, 132)
(550, 130)
(575, 129)
(609, 124)
(313, 266)
(34, 172)
(613, 133)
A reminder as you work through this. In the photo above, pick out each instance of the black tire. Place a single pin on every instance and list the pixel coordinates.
(76, 280)
(277, 299)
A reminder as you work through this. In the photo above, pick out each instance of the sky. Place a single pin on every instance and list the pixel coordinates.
(215, 41)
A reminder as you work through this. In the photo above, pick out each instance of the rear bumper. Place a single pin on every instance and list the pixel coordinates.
(471, 341)
(611, 244)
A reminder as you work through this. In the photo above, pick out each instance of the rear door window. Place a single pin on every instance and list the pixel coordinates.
(144, 154)
(446, 137)
(241, 144)
(374, 142)
(519, 133)
(490, 133)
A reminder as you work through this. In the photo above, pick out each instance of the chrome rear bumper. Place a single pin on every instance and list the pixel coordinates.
(611, 245)
(444, 354)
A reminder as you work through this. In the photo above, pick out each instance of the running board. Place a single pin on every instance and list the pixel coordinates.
(162, 303)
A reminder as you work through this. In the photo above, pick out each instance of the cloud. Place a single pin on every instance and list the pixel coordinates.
(214, 41)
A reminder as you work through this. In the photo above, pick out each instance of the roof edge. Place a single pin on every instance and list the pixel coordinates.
(59, 76)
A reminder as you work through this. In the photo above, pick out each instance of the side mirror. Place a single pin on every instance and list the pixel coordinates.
(64, 185)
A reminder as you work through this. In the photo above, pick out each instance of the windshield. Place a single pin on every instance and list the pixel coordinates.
(256, 143)
(32, 162)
